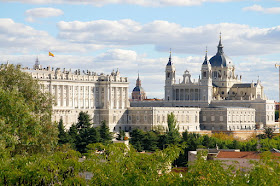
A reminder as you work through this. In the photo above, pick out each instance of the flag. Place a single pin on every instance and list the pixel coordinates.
(51, 54)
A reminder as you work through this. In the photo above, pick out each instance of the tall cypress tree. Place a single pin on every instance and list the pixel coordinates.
(173, 135)
(62, 135)
(137, 139)
(72, 135)
(105, 134)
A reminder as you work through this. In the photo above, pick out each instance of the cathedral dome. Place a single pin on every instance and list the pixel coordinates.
(220, 59)
(138, 89)
(138, 92)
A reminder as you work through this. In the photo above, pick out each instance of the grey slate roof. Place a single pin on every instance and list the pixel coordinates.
(243, 85)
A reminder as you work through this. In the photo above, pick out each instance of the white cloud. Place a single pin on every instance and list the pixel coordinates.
(19, 38)
(82, 37)
(133, 2)
(152, 69)
(33, 14)
(259, 8)
(238, 39)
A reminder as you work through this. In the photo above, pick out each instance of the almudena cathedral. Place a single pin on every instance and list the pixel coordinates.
(218, 100)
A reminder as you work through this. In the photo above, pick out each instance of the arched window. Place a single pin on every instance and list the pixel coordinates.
(215, 74)
(204, 74)
(168, 74)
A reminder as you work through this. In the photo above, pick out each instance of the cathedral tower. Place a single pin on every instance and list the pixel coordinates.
(206, 80)
(169, 79)
(138, 93)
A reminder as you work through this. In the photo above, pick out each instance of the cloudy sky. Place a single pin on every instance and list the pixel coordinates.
(136, 35)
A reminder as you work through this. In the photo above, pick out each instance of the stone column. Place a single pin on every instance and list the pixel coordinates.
(73, 97)
(121, 98)
(89, 95)
(67, 95)
(56, 94)
(105, 97)
(126, 98)
(110, 97)
(78, 102)
(115, 97)
(84, 96)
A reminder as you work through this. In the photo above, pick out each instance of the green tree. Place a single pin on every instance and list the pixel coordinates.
(150, 141)
(121, 135)
(137, 139)
(58, 168)
(276, 115)
(62, 134)
(269, 132)
(84, 120)
(25, 113)
(86, 133)
(105, 134)
(172, 134)
(119, 165)
(72, 135)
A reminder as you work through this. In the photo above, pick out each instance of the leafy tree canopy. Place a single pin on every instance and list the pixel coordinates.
(25, 113)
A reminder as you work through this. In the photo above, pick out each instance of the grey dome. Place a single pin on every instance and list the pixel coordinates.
(220, 59)
(138, 89)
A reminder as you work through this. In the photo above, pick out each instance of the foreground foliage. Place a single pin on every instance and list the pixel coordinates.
(29, 154)
(115, 164)
(83, 133)
(25, 114)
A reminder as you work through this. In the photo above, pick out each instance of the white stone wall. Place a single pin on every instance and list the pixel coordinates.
(155, 118)
(77, 91)
(264, 109)
(227, 118)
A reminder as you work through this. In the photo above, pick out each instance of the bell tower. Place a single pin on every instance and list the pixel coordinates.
(206, 80)
(169, 79)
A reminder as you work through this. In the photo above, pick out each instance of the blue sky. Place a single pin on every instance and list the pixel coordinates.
(137, 35)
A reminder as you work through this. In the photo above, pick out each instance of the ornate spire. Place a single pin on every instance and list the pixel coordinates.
(170, 61)
(37, 64)
(206, 58)
(138, 81)
(220, 46)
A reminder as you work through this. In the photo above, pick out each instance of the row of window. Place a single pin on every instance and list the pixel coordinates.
(233, 118)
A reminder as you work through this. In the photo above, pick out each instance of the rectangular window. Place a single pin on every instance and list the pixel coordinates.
(204, 118)
(221, 118)
(212, 118)
(114, 119)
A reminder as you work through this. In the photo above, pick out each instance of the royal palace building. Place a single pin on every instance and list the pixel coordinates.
(218, 100)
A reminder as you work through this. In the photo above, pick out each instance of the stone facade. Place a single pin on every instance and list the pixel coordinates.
(218, 85)
(227, 118)
(105, 97)
(155, 118)
(98, 94)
